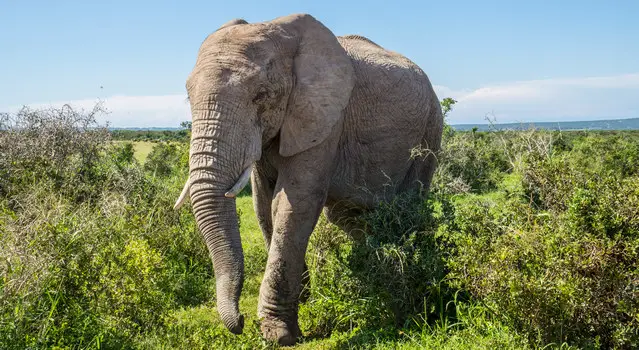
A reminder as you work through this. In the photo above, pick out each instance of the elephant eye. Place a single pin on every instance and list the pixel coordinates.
(261, 96)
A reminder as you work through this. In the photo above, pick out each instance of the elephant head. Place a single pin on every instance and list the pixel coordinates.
(286, 80)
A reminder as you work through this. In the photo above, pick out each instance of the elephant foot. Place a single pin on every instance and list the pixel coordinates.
(280, 332)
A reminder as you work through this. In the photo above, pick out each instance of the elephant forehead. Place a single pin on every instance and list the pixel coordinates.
(247, 39)
(223, 79)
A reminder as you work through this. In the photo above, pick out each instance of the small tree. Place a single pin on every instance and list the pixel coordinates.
(186, 125)
(447, 106)
(59, 144)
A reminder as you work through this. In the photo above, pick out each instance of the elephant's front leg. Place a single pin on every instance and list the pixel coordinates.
(262, 197)
(300, 195)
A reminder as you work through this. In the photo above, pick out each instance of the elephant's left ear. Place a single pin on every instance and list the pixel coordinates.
(324, 79)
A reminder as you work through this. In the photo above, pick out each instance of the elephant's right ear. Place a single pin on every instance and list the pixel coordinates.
(232, 22)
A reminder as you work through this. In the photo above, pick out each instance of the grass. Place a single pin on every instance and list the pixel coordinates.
(141, 148)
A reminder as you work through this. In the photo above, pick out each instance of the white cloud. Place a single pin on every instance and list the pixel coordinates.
(133, 111)
(535, 100)
(547, 100)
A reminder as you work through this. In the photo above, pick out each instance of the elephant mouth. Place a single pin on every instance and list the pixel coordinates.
(231, 193)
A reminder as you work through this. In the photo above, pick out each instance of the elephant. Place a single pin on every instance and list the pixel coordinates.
(316, 122)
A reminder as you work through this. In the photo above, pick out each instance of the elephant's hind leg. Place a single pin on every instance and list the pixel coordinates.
(344, 215)
(262, 198)
(419, 175)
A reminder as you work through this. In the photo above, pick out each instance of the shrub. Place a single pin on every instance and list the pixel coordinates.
(62, 145)
(165, 158)
(561, 268)
(385, 280)
(618, 154)
(93, 254)
(469, 162)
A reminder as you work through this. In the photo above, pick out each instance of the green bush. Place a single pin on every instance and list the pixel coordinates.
(618, 154)
(385, 280)
(62, 146)
(562, 267)
(93, 254)
(469, 162)
(165, 159)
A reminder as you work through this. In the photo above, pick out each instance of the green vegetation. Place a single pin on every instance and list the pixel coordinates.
(527, 239)
(152, 135)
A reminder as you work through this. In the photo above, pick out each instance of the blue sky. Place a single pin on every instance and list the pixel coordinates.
(514, 60)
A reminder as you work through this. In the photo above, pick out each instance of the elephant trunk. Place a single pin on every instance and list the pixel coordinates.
(219, 157)
(217, 220)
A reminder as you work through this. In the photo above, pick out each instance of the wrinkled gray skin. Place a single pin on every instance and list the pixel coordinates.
(324, 122)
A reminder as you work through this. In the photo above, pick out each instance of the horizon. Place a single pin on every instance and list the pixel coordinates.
(465, 125)
(517, 62)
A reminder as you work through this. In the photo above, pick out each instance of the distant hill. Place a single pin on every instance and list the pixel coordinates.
(613, 124)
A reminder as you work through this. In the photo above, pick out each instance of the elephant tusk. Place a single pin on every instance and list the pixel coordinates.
(183, 195)
(240, 184)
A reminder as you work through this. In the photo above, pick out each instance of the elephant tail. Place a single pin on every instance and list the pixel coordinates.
(183, 195)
